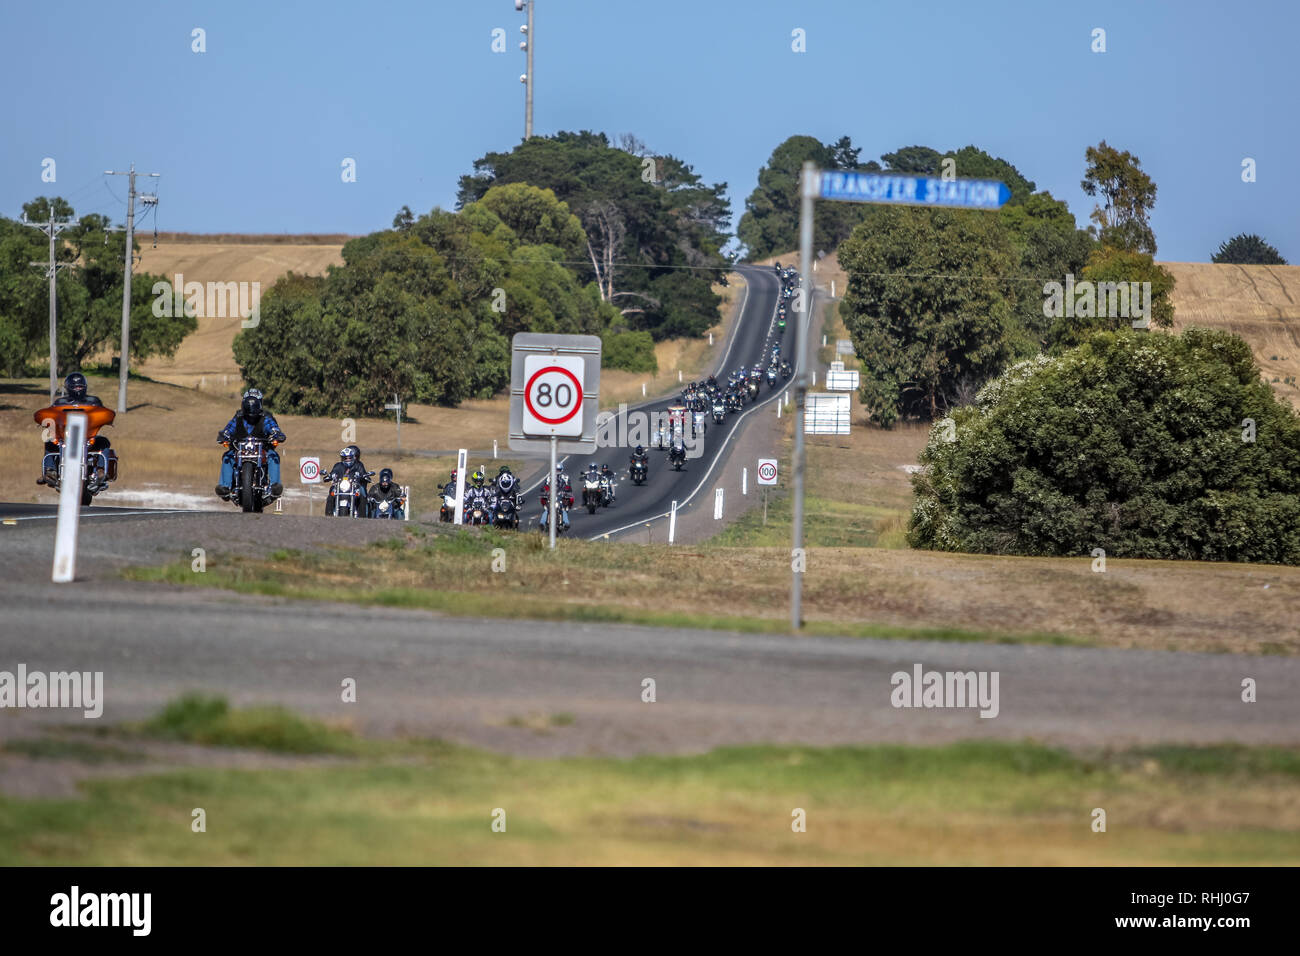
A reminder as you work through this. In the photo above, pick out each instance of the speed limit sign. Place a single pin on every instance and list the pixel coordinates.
(309, 471)
(553, 395)
(767, 471)
(554, 392)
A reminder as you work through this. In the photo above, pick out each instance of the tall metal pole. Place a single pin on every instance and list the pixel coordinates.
(808, 186)
(555, 495)
(54, 292)
(528, 92)
(52, 229)
(124, 361)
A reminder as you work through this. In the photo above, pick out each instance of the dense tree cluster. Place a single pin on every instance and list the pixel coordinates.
(426, 310)
(89, 294)
(1146, 446)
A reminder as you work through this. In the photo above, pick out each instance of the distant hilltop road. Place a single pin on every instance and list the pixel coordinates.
(205, 358)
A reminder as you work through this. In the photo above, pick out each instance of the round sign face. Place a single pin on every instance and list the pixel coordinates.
(553, 395)
(310, 470)
(767, 471)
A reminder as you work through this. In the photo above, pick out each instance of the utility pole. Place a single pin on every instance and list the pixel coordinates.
(808, 183)
(124, 361)
(52, 229)
(527, 79)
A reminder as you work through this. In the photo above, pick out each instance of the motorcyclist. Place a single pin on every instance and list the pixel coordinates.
(506, 485)
(349, 466)
(607, 476)
(639, 456)
(385, 490)
(74, 393)
(251, 421)
(564, 494)
(479, 492)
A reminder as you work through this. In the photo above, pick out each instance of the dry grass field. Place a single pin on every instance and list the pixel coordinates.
(204, 359)
(1259, 303)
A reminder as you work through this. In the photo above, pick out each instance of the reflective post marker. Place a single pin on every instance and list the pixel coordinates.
(744, 481)
(672, 524)
(556, 491)
(65, 534)
(717, 505)
(461, 458)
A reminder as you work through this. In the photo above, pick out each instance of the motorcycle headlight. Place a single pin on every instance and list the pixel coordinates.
(345, 485)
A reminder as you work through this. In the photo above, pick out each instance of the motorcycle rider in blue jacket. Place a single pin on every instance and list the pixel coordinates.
(251, 420)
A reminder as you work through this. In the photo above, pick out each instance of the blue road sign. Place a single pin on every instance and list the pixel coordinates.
(913, 190)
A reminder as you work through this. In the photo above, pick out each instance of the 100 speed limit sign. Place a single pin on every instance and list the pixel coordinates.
(553, 395)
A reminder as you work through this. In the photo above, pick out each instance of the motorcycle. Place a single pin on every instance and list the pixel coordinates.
(719, 413)
(98, 465)
(786, 370)
(677, 457)
(348, 496)
(250, 486)
(447, 510)
(638, 471)
(395, 509)
(771, 376)
(506, 512)
(565, 502)
(477, 510)
(606, 492)
(591, 494)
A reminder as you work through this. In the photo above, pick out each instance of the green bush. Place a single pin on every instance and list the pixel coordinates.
(632, 351)
(1134, 443)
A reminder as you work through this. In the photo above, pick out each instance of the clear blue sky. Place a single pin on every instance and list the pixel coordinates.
(250, 135)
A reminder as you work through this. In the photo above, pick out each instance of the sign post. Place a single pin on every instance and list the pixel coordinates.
(309, 474)
(65, 533)
(396, 405)
(554, 400)
(891, 188)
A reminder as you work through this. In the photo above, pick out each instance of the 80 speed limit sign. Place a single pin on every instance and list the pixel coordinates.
(553, 395)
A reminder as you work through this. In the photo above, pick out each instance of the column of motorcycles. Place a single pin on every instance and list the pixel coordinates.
(251, 464)
(500, 503)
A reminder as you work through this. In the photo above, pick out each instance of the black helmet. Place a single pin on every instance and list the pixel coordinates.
(640, 450)
(350, 454)
(252, 403)
(503, 470)
(74, 386)
(385, 476)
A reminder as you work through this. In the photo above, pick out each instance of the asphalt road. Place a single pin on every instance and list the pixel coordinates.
(466, 680)
(751, 342)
